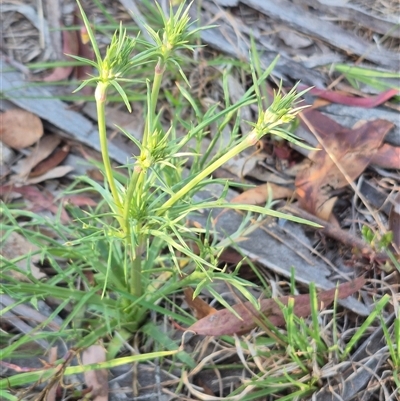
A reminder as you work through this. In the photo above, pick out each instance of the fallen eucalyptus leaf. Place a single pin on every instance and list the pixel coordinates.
(225, 322)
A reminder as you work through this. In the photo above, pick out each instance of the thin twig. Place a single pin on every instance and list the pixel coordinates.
(340, 235)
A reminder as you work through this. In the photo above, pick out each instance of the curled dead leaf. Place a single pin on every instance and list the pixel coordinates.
(200, 307)
(70, 47)
(16, 246)
(96, 379)
(20, 128)
(342, 156)
(224, 322)
(367, 102)
(260, 194)
(41, 151)
(50, 162)
(40, 199)
(387, 156)
(56, 172)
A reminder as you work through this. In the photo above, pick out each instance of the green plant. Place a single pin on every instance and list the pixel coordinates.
(381, 242)
(133, 252)
(150, 210)
(380, 80)
(137, 241)
(393, 344)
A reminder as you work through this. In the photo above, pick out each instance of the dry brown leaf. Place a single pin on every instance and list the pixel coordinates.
(353, 149)
(74, 45)
(20, 128)
(97, 379)
(16, 246)
(203, 384)
(259, 195)
(79, 200)
(50, 162)
(86, 51)
(225, 322)
(387, 156)
(44, 148)
(201, 308)
(70, 47)
(40, 199)
(56, 172)
(344, 98)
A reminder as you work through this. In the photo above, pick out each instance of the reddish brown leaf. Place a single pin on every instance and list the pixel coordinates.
(20, 128)
(75, 44)
(55, 172)
(41, 200)
(353, 150)
(225, 322)
(260, 194)
(70, 47)
(200, 307)
(231, 256)
(206, 389)
(387, 156)
(95, 174)
(82, 72)
(41, 151)
(283, 151)
(79, 200)
(50, 162)
(96, 379)
(367, 102)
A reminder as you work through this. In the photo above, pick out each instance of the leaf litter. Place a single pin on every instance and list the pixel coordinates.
(225, 322)
(43, 149)
(344, 154)
(19, 128)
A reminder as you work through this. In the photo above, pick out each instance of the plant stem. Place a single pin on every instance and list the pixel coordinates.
(139, 173)
(101, 95)
(128, 197)
(136, 183)
(136, 273)
(155, 90)
(136, 270)
(209, 170)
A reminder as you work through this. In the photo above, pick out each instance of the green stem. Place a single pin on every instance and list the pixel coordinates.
(136, 182)
(128, 198)
(249, 141)
(193, 278)
(136, 273)
(155, 90)
(158, 75)
(139, 174)
(100, 95)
